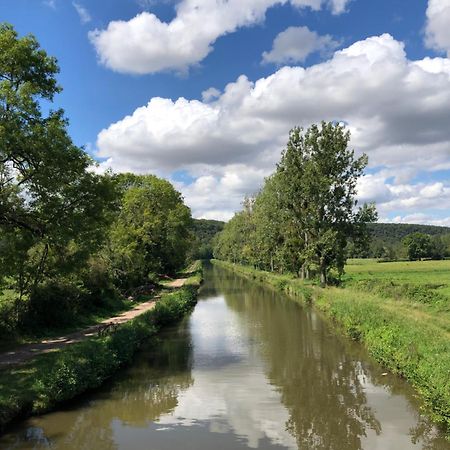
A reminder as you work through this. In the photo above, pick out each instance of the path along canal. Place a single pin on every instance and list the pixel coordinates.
(250, 368)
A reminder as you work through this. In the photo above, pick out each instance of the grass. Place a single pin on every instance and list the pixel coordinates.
(399, 311)
(56, 377)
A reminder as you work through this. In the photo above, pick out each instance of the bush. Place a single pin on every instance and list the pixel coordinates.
(174, 306)
(98, 282)
(54, 304)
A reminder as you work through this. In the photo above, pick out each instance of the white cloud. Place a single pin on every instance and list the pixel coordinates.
(50, 3)
(437, 28)
(145, 44)
(397, 111)
(85, 17)
(295, 44)
(421, 219)
(210, 94)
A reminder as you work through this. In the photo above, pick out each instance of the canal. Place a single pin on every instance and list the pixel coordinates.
(249, 368)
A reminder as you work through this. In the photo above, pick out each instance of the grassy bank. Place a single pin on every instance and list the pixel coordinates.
(406, 334)
(56, 377)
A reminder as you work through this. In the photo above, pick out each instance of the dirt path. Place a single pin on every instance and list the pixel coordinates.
(177, 283)
(26, 352)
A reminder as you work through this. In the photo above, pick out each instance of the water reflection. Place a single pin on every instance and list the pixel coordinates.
(248, 369)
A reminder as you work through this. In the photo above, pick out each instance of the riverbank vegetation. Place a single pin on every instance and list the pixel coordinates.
(76, 245)
(402, 319)
(52, 378)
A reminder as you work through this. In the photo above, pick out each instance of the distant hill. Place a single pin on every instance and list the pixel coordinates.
(204, 231)
(394, 232)
(387, 240)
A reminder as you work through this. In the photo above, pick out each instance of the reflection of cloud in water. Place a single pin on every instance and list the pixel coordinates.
(234, 398)
(217, 338)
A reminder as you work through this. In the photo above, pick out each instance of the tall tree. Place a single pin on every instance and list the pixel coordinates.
(318, 175)
(50, 200)
(418, 245)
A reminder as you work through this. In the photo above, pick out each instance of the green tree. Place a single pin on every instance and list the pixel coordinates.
(418, 245)
(318, 176)
(152, 231)
(52, 206)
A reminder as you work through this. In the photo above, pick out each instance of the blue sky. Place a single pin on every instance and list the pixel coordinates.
(382, 67)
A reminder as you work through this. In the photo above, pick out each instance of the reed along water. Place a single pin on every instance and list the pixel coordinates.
(249, 368)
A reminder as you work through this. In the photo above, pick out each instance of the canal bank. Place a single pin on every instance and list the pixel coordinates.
(53, 378)
(249, 368)
(405, 344)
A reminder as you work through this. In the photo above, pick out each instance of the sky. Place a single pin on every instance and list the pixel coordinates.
(204, 92)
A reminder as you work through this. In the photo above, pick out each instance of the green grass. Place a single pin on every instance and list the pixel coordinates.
(420, 272)
(400, 311)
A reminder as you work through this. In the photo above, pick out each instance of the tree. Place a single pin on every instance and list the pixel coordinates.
(151, 234)
(318, 176)
(418, 246)
(52, 206)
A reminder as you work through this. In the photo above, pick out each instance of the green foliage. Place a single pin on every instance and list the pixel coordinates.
(386, 241)
(305, 215)
(53, 208)
(204, 232)
(418, 246)
(41, 311)
(151, 234)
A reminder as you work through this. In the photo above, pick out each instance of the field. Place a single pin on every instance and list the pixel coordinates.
(434, 274)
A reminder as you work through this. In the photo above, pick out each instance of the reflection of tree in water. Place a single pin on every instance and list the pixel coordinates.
(143, 393)
(319, 383)
(152, 386)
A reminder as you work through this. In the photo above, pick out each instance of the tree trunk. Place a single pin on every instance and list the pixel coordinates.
(323, 273)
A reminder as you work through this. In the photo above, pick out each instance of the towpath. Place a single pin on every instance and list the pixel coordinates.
(25, 352)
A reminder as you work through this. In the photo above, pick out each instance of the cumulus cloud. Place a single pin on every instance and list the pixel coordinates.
(437, 28)
(295, 44)
(396, 109)
(85, 17)
(145, 44)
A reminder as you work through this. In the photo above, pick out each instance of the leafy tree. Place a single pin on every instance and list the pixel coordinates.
(152, 232)
(204, 232)
(52, 206)
(318, 176)
(418, 245)
(306, 214)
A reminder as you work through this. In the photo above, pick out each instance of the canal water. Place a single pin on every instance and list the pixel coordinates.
(249, 368)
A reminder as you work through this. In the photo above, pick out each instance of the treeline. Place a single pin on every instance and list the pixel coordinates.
(306, 213)
(389, 241)
(204, 231)
(70, 239)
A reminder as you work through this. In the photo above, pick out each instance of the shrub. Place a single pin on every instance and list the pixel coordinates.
(54, 304)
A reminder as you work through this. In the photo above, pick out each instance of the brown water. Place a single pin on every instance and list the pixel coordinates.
(249, 368)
